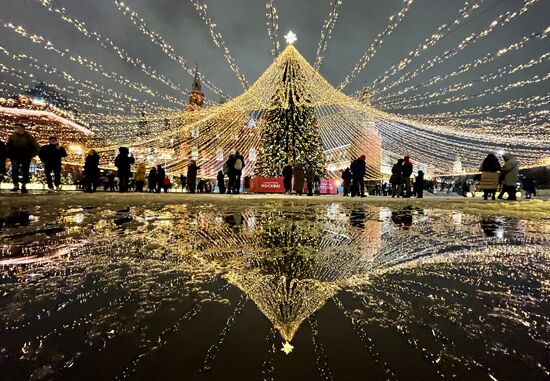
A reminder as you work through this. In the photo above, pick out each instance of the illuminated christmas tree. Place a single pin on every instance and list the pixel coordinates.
(291, 134)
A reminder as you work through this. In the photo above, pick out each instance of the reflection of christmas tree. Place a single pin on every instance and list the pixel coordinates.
(291, 134)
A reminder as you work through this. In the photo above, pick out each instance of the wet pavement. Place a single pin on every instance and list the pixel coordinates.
(271, 289)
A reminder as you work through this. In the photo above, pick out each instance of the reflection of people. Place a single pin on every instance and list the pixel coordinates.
(234, 219)
(357, 218)
(491, 226)
(403, 218)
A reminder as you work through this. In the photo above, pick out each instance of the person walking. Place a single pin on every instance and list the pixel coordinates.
(419, 185)
(310, 178)
(489, 179)
(192, 171)
(140, 176)
(152, 180)
(396, 178)
(358, 171)
(21, 149)
(298, 172)
(161, 174)
(287, 178)
(91, 171)
(510, 170)
(346, 181)
(221, 182)
(238, 170)
(3, 156)
(124, 162)
(51, 155)
(407, 172)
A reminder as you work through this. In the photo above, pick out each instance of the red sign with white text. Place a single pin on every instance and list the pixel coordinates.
(276, 185)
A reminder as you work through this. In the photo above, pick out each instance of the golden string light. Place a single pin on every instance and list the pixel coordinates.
(326, 32)
(108, 44)
(463, 68)
(394, 21)
(465, 97)
(217, 37)
(272, 20)
(93, 100)
(166, 48)
(500, 21)
(89, 64)
(500, 73)
(442, 31)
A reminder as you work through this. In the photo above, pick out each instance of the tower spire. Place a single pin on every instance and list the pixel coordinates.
(196, 81)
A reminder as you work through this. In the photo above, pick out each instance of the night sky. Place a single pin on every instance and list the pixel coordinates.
(243, 26)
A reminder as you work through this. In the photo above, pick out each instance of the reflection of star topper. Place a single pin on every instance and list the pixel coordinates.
(287, 348)
(291, 38)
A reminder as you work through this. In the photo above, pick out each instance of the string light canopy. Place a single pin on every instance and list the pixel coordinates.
(400, 110)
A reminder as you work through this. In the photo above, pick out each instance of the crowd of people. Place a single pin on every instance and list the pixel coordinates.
(22, 147)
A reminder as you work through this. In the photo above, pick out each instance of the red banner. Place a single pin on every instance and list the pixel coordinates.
(276, 185)
(265, 185)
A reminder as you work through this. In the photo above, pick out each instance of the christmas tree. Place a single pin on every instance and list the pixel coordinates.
(290, 133)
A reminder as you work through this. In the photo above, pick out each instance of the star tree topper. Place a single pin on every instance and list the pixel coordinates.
(291, 37)
(287, 348)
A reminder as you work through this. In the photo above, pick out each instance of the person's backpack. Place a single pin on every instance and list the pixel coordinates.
(238, 164)
(225, 169)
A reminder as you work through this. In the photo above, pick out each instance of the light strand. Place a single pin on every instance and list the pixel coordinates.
(394, 21)
(217, 37)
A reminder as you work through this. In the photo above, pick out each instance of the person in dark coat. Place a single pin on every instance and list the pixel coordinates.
(489, 178)
(110, 182)
(310, 178)
(20, 149)
(91, 171)
(123, 162)
(358, 171)
(299, 177)
(221, 182)
(51, 155)
(407, 172)
(419, 185)
(396, 178)
(346, 181)
(3, 156)
(192, 171)
(229, 170)
(152, 180)
(287, 178)
(238, 170)
(183, 182)
(161, 175)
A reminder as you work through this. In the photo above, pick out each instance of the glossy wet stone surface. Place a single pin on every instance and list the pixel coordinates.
(216, 289)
